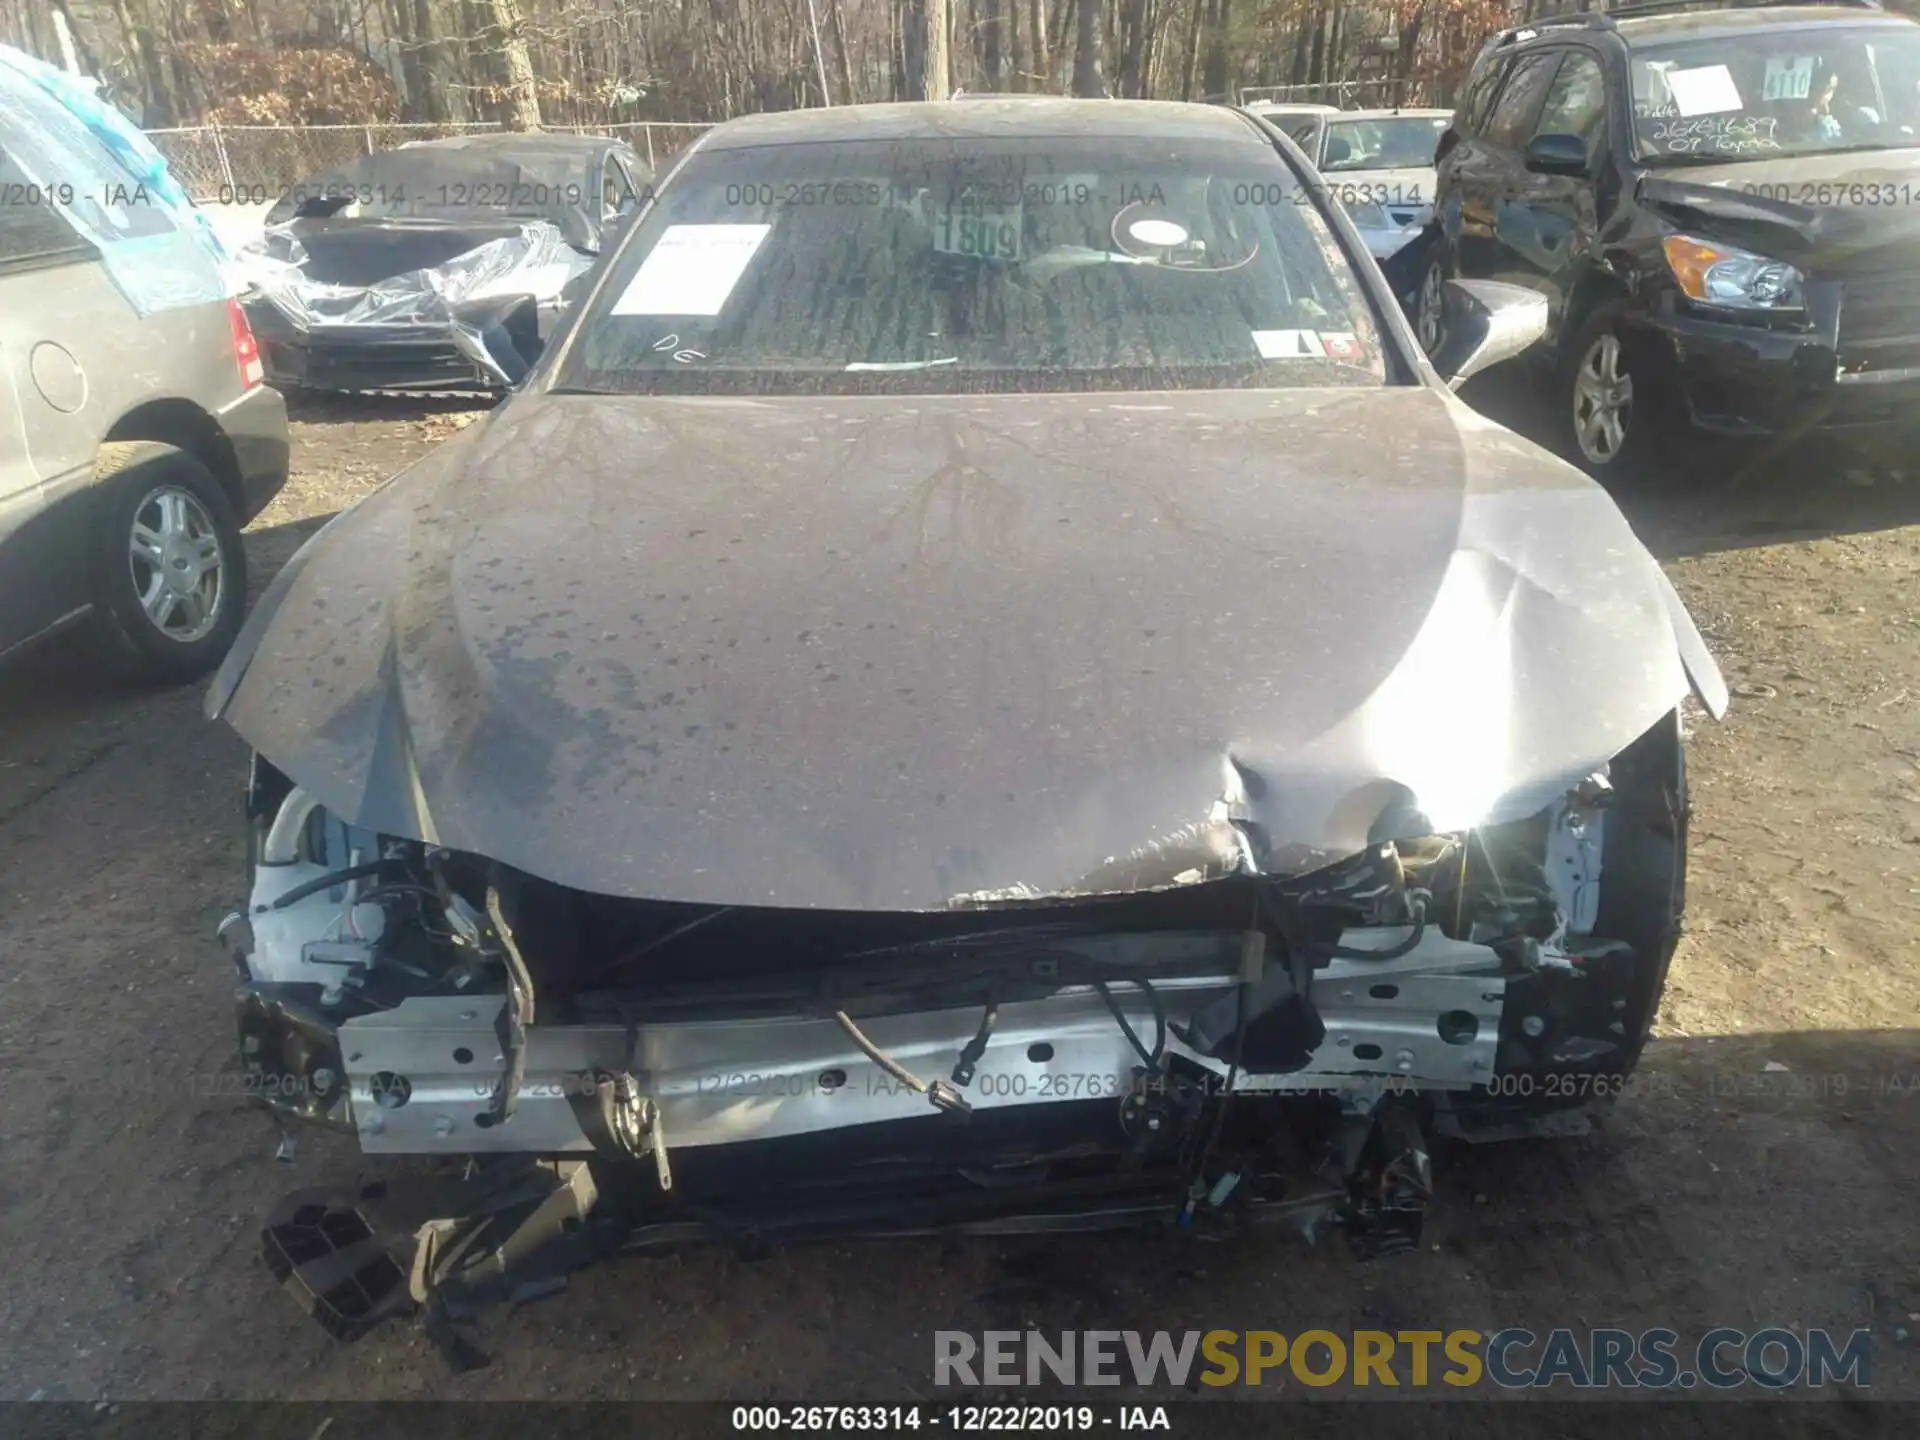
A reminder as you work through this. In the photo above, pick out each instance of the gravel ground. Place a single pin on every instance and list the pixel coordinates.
(1722, 1190)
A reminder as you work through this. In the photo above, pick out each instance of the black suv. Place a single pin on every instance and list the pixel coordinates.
(1722, 206)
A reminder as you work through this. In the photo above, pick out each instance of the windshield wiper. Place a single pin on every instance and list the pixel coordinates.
(895, 366)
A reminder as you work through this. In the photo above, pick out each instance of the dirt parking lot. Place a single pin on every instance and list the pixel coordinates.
(1765, 1171)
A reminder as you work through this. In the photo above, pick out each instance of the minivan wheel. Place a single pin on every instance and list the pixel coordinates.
(1609, 397)
(169, 570)
(1430, 307)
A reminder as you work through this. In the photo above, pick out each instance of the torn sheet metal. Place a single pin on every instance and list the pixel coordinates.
(871, 653)
(1735, 203)
(304, 277)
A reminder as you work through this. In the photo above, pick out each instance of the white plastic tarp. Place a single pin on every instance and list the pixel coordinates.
(537, 262)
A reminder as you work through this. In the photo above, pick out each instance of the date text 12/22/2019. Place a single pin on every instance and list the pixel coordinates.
(959, 1419)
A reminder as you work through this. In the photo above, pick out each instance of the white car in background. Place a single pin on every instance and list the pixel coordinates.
(1379, 164)
(1303, 124)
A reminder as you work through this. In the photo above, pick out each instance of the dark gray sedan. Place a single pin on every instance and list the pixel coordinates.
(982, 683)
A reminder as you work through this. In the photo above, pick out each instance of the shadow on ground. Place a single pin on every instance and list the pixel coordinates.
(1710, 495)
(320, 407)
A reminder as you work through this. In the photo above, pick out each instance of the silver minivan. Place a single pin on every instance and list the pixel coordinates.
(136, 435)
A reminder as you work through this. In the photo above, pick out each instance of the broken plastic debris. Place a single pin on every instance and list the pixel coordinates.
(1773, 1067)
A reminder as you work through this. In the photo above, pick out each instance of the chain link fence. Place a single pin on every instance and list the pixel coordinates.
(658, 140)
(255, 164)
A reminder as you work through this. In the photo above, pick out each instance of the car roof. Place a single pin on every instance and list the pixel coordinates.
(1289, 107)
(521, 143)
(1689, 24)
(1401, 114)
(1015, 118)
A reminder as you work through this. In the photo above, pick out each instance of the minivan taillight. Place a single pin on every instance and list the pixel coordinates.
(246, 349)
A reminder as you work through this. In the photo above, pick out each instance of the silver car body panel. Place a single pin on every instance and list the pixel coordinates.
(727, 1081)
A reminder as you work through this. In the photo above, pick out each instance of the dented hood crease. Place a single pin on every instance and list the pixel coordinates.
(895, 652)
(1803, 208)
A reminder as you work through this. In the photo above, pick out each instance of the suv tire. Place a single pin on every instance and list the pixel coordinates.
(1612, 400)
(1430, 300)
(169, 570)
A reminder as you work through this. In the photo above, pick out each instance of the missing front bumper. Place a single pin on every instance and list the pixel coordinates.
(513, 1231)
(424, 1075)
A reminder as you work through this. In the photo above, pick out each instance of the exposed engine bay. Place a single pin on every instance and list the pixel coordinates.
(611, 1075)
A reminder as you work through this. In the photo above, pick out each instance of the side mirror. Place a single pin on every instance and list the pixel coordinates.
(614, 225)
(1487, 322)
(1557, 155)
(575, 289)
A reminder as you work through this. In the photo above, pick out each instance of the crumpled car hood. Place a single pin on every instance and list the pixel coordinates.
(1842, 169)
(1822, 210)
(907, 652)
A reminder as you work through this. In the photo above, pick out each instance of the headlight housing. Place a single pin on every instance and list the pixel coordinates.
(1733, 279)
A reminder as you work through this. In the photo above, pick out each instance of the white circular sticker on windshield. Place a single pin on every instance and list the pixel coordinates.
(1158, 233)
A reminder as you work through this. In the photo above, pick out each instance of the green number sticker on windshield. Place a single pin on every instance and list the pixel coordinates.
(984, 232)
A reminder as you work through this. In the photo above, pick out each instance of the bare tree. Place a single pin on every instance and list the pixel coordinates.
(1042, 54)
(843, 66)
(1135, 25)
(992, 55)
(601, 62)
(937, 52)
(523, 94)
(1087, 79)
(1190, 54)
(1016, 50)
(1219, 19)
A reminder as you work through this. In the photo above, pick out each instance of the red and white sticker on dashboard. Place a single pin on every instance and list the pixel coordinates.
(1289, 344)
(1342, 346)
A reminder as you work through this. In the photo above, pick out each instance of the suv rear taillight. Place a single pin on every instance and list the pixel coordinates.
(246, 349)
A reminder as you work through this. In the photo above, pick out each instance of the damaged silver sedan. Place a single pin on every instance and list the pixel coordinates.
(983, 684)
